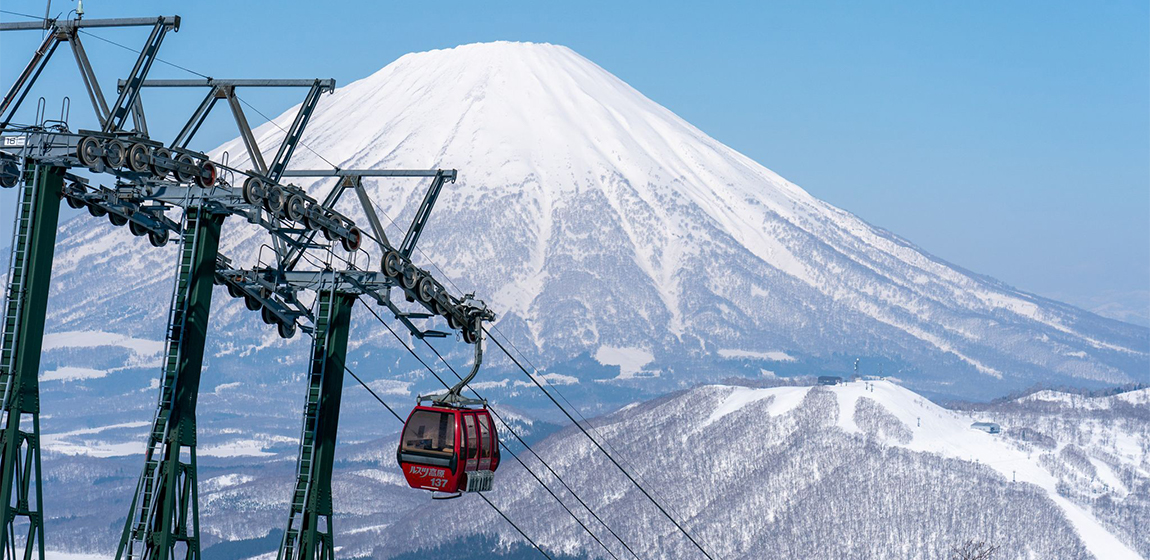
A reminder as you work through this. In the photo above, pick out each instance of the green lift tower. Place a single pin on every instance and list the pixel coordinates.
(309, 530)
(163, 522)
(29, 276)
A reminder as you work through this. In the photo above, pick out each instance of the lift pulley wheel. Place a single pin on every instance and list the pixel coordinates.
(183, 174)
(353, 239)
(159, 162)
(115, 154)
(253, 191)
(275, 201)
(311, 216)
(469, 335)
(410, 278)
(89, 151)
(392, 264)
(427, 290)
(286, 330)
(296, 208)
(207, 176)
(95, 210)
(9, 174)
(158, 238)
(138, 158)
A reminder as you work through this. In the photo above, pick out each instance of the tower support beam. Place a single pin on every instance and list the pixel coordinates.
(26, 303)
(163, 522)
(309, 530)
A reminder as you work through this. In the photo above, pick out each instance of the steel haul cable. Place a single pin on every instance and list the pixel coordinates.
(206, 77)
(583, 418)
(397, 417)
(158, 59)
(601, 449)
(513, 454)
(536, 455)
(493, 506)
(516, 348)
(552, 398)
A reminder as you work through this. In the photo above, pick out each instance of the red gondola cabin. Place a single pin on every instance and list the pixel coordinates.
(446, 449)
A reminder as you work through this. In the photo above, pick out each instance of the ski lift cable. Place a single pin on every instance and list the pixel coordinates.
(536, 455)
(158, 59)
(501, 347)
(554, 388)
(21, 15)
(446, 276)
(397, 417)
(503, 445)
(512, 523)
(520, 439)
(275, 124)
(602, 450)
(602, 440)
(513, 454)
(493, 506)
(206, 77)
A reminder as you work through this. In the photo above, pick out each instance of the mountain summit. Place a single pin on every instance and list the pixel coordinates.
(601, 227)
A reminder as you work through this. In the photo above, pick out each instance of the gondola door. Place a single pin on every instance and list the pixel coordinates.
(471, 437)
(485, 441)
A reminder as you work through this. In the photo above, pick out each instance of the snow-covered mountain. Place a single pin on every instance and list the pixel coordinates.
(867, 469)
(604, 229)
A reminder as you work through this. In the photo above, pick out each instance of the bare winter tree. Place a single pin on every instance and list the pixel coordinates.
(973, 550)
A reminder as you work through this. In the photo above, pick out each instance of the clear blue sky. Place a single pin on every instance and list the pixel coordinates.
(1010, 138)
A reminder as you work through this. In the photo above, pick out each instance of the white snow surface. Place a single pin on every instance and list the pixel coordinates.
(95, 339)
(72, 373)
(629, 360)
(67, 444)
(944, 432)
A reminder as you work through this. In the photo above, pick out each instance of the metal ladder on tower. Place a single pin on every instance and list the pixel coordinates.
(22, 467)
(298, 521)
(14, 298)
(150, 491)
